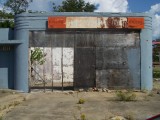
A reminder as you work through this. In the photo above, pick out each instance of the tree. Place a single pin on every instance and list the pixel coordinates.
(74, 6)
(17, 6)
(6, 15)
(37, 56)
(6, 19)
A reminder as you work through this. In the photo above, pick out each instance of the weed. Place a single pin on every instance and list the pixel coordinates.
(156, 74)
(156, 85)
(126, 96)
(81, 101)
(15, 103)
(1, 118)
(151, 94)
(83, 117)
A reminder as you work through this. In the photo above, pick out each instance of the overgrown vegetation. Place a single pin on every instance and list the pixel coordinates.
(17, 6)
(6, 15)
(126, 96)
(81, 116)
(1, 118)
(9, 23)
(156, 72)
(37, 56)
(156, 85)
(74, 6)
(156, 52)
(81, 101)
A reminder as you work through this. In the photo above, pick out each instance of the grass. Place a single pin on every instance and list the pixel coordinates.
(81, 101)
(126, 96)
(156, 85)
(156, 72)
(81, 115)
(1, 118)
(151, 94)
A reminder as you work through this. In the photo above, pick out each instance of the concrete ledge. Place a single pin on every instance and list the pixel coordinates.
(11, 41)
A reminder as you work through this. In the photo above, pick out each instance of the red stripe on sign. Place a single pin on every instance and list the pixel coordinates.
(56, 22)
(136, 23)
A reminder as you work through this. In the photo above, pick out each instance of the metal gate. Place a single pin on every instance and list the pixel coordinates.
(57, 70)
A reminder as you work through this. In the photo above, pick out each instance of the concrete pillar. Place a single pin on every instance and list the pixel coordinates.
(21, 61)
(146, 59)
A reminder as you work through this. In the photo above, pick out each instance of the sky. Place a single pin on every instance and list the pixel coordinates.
(151, 6)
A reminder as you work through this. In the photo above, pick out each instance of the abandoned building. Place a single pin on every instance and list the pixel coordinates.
(82, 50)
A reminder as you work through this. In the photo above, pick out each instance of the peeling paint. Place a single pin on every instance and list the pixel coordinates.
(96, 22)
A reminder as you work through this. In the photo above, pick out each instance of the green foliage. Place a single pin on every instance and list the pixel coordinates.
(83, 117)
(38, 56)
(156, 74)
(7, 24)
(6, 15)
(156, 85)
(17, 6)
(1, 118)
(81, 101)
(156, 49)
(126, 96)
(74, 6)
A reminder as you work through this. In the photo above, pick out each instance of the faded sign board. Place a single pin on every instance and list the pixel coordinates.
(56, 22)
(135, 22)
(112, 22)
(96, 22)
(81, 22)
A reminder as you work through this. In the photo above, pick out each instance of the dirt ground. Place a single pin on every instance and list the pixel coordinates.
(59, 105)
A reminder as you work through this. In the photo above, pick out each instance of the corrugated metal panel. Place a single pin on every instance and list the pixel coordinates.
(68, 56)
(100, 57)
(57, 57)
(85, 39)
(84, 67)
(110, 58)
(115, 53)
(117, 38)
(114, 78)
(39, 39)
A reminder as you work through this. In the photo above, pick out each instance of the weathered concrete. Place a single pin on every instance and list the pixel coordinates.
(97, 106)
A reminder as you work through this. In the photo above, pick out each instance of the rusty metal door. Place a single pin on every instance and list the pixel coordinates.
(118, 59)
(84, 60)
